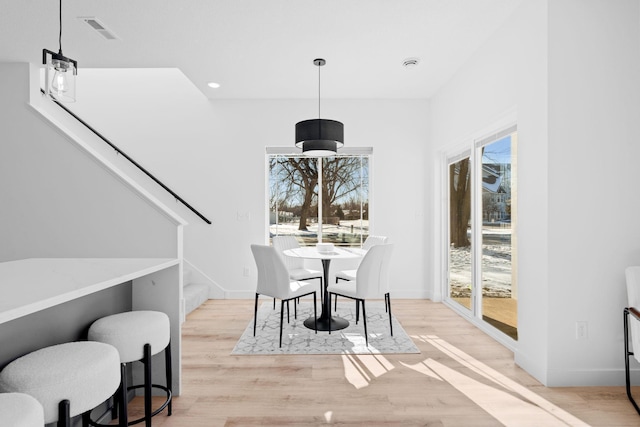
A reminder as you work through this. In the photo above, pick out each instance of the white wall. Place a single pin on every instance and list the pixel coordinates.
(212, 153)
(569, 70)
(396, 131)
(594, 232)
(507, 76)
(57, 201)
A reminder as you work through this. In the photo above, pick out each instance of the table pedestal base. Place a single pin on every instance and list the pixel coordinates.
(336, 323)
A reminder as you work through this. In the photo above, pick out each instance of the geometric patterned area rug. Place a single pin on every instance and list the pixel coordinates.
(298, 339)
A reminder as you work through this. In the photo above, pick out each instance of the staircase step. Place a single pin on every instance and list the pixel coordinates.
(194, 295)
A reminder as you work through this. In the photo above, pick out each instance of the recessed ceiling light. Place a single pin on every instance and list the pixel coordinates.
(213, 85)
(411, 62)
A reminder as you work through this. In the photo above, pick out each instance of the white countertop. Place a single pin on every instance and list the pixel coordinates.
(31, 285)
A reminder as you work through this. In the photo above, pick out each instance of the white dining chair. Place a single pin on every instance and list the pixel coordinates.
(632, 324)
(350, 275)
(372, 281)
(273, 281)
(295, 266)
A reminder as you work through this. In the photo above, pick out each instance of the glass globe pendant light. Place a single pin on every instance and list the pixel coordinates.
(60, 72)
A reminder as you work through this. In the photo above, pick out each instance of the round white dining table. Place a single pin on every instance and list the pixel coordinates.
(325, 321)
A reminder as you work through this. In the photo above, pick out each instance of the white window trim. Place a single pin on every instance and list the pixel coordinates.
(345, 151)
(507, 125)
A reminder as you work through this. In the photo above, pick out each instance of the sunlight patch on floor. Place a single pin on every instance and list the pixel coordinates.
(376, 364)
(359, 369)
(353, 373)
(505, 407)
(507, 401)
(357, 340)
(423, 369)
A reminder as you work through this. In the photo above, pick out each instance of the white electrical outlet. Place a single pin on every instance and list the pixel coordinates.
(582, 332)
(245, 271)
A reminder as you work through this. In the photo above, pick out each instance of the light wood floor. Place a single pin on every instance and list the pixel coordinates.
(503, 310)
(459, 369)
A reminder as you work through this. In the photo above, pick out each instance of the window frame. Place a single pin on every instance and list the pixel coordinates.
(346, 152)
(472, 148)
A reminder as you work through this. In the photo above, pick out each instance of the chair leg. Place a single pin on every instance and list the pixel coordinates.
(116, 399)
(168, 374)
(147, 385)
(335, 308)
(281, 318)
(294, 303)
(255, 314)
(274, 303)
(315, 313)
(123, 419)
(364, 320)
(627, 354)
(329, 296)
(295, 309)
(388, 304)
(386, 301)
(64, 410)
(357, 311)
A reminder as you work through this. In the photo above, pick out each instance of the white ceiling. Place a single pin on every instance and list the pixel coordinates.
(265, 48)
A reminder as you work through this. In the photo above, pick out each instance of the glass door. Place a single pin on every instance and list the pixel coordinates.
(482, 224)
(460, 232)
(498, 212)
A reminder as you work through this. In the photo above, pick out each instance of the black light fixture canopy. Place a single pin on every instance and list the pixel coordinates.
(319, 137)
(60, 72)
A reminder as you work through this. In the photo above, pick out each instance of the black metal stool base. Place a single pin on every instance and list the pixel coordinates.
(157, 411)
(148, 387)
(139, 420)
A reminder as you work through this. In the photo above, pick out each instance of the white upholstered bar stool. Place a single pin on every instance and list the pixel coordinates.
(67, 379)
(20, 410)
(138, 335)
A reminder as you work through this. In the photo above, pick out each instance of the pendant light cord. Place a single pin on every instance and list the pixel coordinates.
(319, 66)
(60, 33)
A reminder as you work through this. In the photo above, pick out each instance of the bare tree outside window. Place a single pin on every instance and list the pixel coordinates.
(293, 181)
(460, 203)
(294, 198)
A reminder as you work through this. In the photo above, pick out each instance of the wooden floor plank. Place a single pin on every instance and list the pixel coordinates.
(220, 389)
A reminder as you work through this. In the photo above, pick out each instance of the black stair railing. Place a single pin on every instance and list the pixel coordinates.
(136, 164)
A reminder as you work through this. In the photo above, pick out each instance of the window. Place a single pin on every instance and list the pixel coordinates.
(460, 232)
(338, 213)
(482, 226)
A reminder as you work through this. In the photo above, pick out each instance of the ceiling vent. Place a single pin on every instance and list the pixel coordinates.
(411, 62)
(99, 28)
